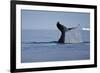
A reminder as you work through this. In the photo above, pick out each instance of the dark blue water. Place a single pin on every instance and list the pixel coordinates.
(40, 46)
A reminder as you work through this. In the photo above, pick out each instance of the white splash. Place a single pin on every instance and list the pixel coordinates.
(73, 36)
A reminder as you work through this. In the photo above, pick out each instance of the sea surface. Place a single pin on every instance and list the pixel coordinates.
(42, 46)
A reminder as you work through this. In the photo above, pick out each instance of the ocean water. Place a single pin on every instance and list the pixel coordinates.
(41, 46)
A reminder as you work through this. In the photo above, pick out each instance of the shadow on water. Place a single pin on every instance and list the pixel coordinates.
(39, 42)
(56, 42)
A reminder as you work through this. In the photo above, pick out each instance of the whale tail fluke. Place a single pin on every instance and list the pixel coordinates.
(64, 30)
(61, 27)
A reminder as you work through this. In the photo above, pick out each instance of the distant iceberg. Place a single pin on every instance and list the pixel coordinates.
(86, 29)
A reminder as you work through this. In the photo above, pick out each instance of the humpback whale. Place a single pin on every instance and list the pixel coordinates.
(63, 30)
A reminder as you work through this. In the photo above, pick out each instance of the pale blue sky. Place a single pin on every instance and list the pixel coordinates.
(33, 20)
